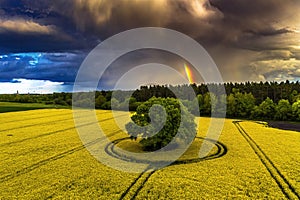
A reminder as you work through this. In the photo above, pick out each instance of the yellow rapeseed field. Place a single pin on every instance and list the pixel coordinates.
(42, 157)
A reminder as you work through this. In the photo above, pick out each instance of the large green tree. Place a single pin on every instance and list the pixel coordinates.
(158, 120)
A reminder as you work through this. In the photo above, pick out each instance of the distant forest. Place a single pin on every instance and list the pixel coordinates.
(263, 100)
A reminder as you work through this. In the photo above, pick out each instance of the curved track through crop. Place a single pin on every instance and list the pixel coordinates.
(222, 150)
(283, 183)
(138, 184)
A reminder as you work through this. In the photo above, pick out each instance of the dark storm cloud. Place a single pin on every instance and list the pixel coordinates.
(34, 26)
(79, 24)
(250, 23)
(244, 24)
(12, 42)
(239, 34)
(56, 67)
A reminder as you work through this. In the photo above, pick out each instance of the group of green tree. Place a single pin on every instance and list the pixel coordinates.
(255, 100)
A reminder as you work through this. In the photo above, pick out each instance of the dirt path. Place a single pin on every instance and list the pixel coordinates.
(293, 126)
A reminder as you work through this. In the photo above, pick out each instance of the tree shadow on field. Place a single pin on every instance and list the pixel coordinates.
(190, 156)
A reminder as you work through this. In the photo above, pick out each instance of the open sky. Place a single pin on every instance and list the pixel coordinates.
(43, 42)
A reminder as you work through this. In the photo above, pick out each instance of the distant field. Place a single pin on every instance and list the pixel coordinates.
(42, 157)
(13, 107)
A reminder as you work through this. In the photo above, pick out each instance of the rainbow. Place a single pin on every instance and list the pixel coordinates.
(189, 73)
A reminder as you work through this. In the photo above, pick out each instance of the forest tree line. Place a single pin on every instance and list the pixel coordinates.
(263, 100)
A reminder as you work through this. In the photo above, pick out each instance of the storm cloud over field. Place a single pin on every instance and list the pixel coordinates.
(250, 40)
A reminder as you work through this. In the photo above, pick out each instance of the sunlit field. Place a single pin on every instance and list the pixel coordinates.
(42, 157)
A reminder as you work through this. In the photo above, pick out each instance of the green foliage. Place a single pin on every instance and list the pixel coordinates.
(283, 110)
(231, 105)
(265, 110)
(240, 104)
(210, 102)
(115, 104)
(99, 101)
(106, 105)
(194, 106)
(129, 103)
(149, 121)
(244, 100)
(245, 104)
(256, 113)
(294, 96)
(221, 108)
(60, 101)
(296, 110)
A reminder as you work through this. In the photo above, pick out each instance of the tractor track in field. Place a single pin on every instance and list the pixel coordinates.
(53, 158)
(55, 132)
(137, 185)
(221, 151)
(145, 176)
(286, 187)
(123, 195)
(142, 184)
(44, 123)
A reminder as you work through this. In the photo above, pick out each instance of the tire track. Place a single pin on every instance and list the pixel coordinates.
(58, 131)
(144, 177)
(137, 185)
(285, 186)
(131, 185)
(221, 151)
(53, 158)
(43, 123)
(142, 184)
